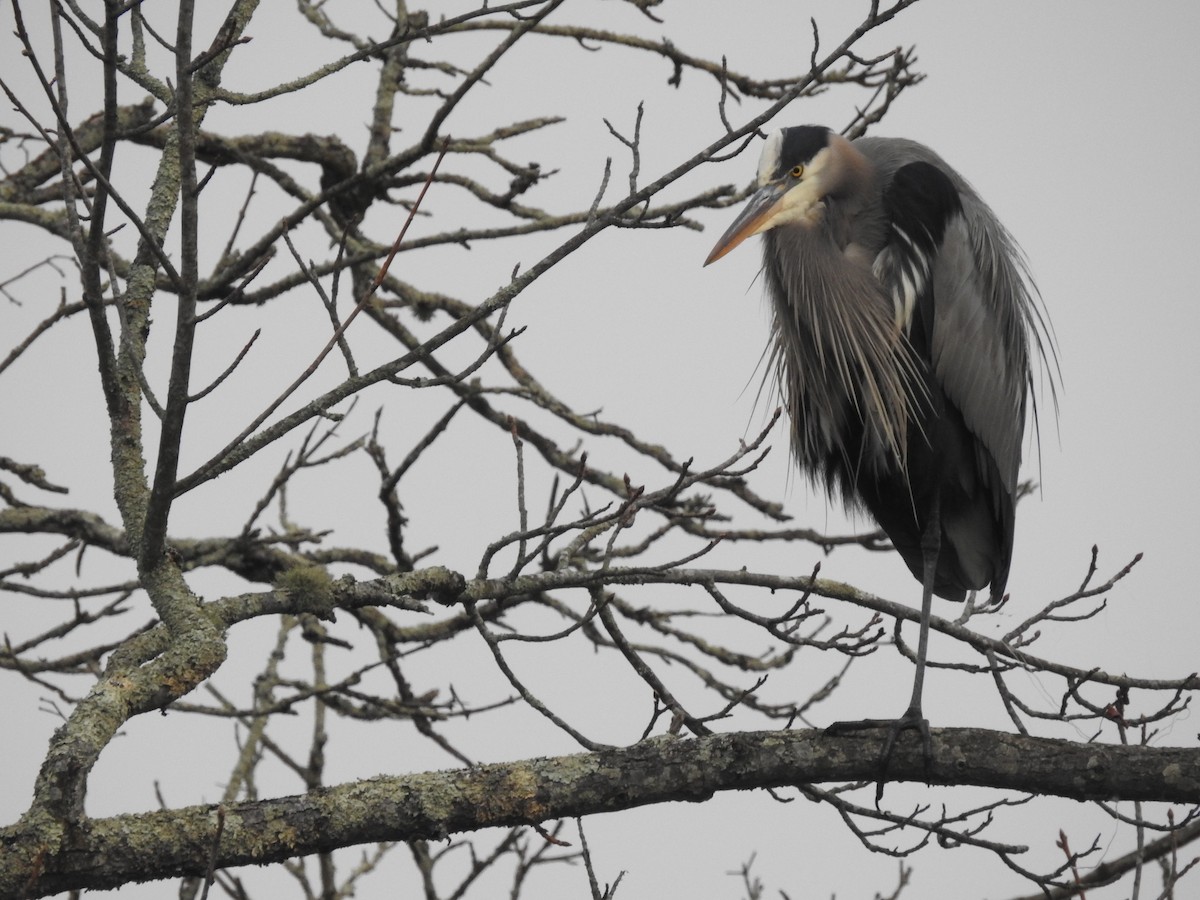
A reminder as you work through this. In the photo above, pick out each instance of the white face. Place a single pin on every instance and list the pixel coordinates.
(803, 188)
(793, 198)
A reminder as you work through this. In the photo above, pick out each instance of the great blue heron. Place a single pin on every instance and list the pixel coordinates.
(904, 322)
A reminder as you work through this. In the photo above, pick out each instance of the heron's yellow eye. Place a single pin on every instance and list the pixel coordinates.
(797, 171)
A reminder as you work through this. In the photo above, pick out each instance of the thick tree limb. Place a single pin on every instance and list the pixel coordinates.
(41, 859)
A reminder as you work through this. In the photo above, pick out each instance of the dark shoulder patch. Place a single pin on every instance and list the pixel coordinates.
(801, 143)
(920, 200)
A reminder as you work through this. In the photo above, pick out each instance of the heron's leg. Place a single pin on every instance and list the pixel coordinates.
(931, 542)
(913, 717)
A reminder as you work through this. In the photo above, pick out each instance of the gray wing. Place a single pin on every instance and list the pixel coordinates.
(984, 308)
(980, 350)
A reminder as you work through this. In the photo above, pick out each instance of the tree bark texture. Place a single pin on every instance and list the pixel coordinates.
(105, 853)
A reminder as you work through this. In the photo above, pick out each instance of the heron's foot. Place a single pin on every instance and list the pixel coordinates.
(912, 719)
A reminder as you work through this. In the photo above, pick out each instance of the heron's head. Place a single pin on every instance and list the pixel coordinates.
(800, 167)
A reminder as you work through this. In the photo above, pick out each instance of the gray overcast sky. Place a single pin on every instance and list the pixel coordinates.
(1077, 122)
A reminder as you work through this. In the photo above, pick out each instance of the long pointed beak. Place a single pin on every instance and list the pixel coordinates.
(750, 221)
